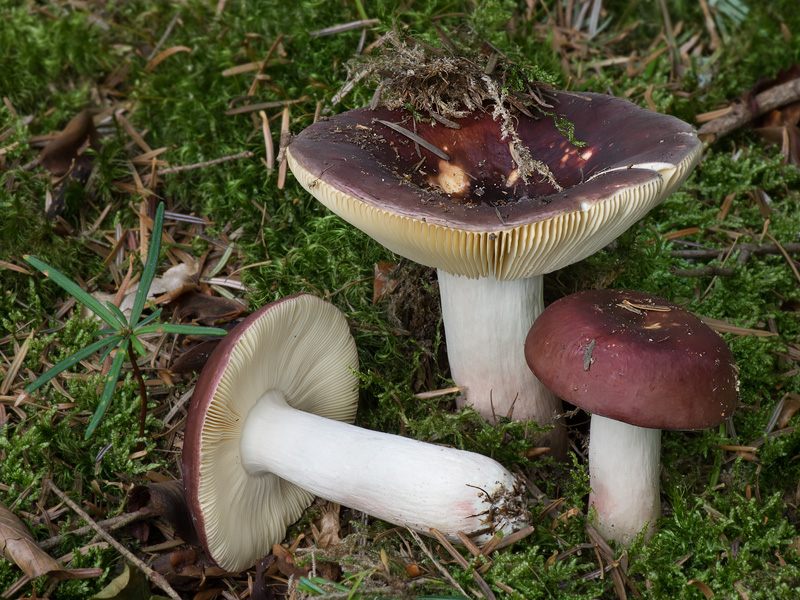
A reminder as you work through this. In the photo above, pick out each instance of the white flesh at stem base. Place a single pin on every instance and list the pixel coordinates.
(397, 479)
(486, 322)
(624, 468)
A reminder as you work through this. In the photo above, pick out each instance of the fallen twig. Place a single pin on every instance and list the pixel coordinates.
(208, 163)
(701, 271)
(155, 577)
(442, 570)
(745, 250)
(740, 114)
(109, 524)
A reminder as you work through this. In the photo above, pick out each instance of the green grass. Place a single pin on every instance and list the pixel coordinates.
(54, 61)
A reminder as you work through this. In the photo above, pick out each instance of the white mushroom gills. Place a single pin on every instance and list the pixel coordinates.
(396, 479)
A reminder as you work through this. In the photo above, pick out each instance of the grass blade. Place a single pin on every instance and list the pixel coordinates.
(108, 390)
(117, 313)
(105, 331)
(178, 328)
(69, 362)
(150, 318)
(108, 350)
(150, 266)
(74, 290)
(138, 346)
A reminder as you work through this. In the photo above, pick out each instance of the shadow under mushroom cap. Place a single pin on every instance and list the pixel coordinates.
(474, 214)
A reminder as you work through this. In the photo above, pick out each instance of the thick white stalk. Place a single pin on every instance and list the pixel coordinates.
(624, 472)
(397, 479)
(485, 323)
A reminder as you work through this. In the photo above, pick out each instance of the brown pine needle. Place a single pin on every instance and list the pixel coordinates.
(414, 137)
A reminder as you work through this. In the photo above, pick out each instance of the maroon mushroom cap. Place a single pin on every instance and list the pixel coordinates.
(634, 357)
(466, 208)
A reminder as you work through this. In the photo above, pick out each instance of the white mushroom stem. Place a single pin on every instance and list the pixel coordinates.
(397, 479)
(485, 322)
(624, 477)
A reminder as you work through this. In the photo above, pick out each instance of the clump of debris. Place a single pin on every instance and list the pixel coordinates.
(452, 82)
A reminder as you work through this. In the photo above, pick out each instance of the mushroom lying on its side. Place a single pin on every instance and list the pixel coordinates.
(268, 430)
(458, 201)
(638, 364)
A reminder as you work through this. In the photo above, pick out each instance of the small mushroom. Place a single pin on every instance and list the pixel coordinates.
(268, 429)
(638, 364)
(461, 203)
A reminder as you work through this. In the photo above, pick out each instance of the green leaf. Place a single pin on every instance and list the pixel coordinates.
(309, 587)
(108, 350)
(150, 318)
(138, 346)
(105, 331)
(129, 585)
(178, 328)
(74, 290)
(123, 321)
(150, 266)
(70, 361)
(108, 390)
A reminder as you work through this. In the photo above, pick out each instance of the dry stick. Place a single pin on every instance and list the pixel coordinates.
(442, 570)
(208, 163)
(344, 27)
(744, 249)
(771, 99)
(675, 53)
(109, 524)
(464, 564)
(155, 577)
(263, 65)
(785, 255)
(702, 271)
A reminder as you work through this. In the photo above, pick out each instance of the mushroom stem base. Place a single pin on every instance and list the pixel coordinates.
(486, 321)
(624, 476)
(397, 479)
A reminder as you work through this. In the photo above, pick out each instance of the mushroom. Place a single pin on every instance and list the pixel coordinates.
(638, 364)
(269, 429)
(457, 200)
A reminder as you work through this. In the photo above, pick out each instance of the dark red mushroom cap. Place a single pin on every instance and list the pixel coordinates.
(634, 357)
(458, 201)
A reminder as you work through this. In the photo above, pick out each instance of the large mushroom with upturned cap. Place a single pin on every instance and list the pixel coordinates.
(459, 199)
(269, 429)
(638, 364)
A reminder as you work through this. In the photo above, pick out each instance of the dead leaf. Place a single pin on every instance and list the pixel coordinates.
(790, 405)
(187, 569)
(384, 284)
(167, 500)
(703, 587)
(58, 156)
(18, 546)
(194, 359)
(129, 585)
(207, 310)
(262, 590)
(326, 530)
(179, 277)
(156, 60)
(286, 564)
